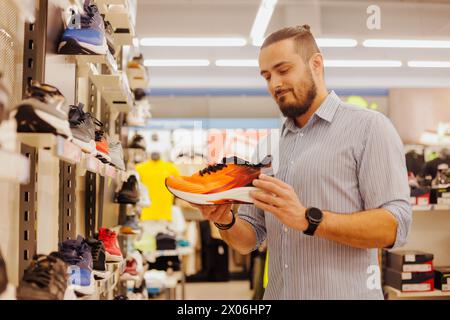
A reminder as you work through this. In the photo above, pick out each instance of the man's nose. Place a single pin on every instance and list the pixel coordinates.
(276, 84)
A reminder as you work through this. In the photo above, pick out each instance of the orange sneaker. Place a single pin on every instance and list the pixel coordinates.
(102, 146)
(226, 182)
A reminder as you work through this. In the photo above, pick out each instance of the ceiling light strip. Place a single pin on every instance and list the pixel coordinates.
(404, 43)
(193, 42)
(177, 63)
(262, 20)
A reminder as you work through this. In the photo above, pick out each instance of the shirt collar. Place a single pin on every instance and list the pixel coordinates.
(326, 111)
(329, 106)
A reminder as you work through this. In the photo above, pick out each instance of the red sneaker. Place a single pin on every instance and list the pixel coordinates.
(130, 272)
(112, 250)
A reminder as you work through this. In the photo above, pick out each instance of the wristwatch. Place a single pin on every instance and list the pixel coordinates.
(314, 217)
(226, 226)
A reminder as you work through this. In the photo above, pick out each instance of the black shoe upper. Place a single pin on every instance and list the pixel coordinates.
(98, 253)
(129, 193)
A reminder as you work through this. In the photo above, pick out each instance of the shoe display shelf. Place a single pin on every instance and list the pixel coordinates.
(105, 285)
(15, 167)
(137, 78)
(94, 165)
(59, 146)
(122, 16)
(432, 207)
(395, 294)
(108, 60)
(114, 89)
(71, 3)
(181, 251)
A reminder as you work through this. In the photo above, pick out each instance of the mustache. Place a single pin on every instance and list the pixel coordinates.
(281, 91)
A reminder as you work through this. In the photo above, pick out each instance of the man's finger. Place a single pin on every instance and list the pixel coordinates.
(269, 187)
(266, 207)
(267, 198)
(278, 182)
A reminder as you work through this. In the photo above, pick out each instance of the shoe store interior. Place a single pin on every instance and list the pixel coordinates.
(122, 120)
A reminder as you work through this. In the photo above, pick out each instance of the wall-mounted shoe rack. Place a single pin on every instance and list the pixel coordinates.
(122, 15)
(49, 181)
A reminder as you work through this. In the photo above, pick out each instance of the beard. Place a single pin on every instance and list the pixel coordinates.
(300, 106)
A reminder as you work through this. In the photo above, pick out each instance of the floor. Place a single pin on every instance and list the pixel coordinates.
(231, 290)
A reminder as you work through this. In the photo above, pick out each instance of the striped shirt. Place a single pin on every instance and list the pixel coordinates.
(346, 159)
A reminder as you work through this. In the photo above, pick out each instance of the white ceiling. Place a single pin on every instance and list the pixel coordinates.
(337, 18)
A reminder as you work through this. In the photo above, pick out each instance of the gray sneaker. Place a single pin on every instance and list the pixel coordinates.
(43, 111)
(116, 153)
(47, 98)
(82, 125)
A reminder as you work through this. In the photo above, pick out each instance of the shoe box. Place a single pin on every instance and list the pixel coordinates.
(409, 261)
(409, 281)
(442, 278)
(408, 271)
(440, 195)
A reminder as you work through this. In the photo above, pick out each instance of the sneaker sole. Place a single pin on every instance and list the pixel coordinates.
(74, 47)
(236, 195)
(129, 277)
(88, 147)
(86, 290)
(113, 258)
(102, 157)
(101, 274)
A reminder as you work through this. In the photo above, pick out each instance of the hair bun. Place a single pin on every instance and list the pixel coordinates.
(306, 27)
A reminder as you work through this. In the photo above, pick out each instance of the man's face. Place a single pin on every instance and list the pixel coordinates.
(289, 78)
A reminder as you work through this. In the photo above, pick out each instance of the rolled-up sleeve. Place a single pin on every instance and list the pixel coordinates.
(382, 174)
(255, 217)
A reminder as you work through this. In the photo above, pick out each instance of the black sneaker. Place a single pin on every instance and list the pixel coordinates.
(44, 279)
(129, 193)
(3, 275)
(98, 256)
(138, 142)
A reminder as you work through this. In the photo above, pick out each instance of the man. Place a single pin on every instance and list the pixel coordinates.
(341, 190)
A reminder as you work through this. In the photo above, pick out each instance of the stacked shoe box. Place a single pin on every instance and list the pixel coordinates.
(409, 271)
(442, 278)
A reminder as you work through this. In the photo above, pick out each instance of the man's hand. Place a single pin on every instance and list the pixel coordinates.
(281, 200)
(220, 213)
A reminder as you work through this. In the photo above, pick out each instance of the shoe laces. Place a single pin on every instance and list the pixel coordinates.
(233, 160)
(109, 237)
(91, 10)
(77, 116)
(96, 247)
(212, 168)
(41, 271)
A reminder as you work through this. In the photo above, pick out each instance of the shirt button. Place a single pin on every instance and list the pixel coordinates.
(285, 266)
(292, 162)
(302, 134)
(285, 230)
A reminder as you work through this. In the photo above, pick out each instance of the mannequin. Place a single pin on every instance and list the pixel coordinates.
(153, 175)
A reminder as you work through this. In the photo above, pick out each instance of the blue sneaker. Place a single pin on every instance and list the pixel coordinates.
(90, 38)
(77, 254)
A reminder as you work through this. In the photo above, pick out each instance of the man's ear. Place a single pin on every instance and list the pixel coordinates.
(316, 63)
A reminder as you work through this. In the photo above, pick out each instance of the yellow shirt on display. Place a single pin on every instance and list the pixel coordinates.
(153, 175)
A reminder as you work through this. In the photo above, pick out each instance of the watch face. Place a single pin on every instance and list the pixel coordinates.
(315, 214)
